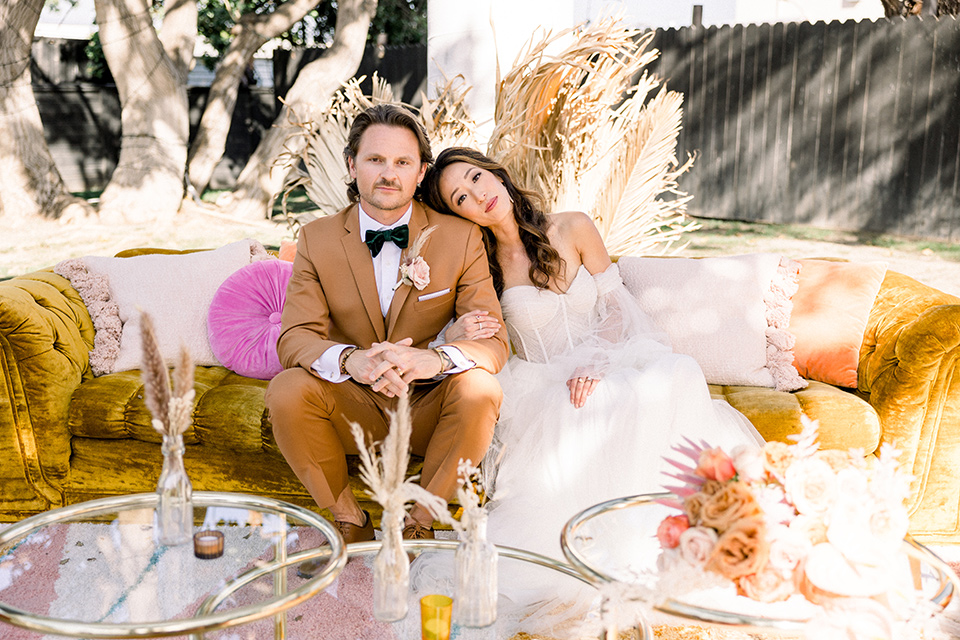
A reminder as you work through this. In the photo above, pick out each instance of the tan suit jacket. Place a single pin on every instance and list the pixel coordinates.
(332, 296)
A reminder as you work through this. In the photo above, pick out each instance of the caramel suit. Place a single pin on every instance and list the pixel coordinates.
(331, 300)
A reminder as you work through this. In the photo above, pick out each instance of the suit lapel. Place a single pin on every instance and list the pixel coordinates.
(361, 268)
(418, 222)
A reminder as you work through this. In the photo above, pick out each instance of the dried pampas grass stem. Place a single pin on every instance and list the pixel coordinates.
(172, 413)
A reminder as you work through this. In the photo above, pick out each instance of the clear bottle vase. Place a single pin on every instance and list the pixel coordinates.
(475, 599)
(174, 514)
(391, 572)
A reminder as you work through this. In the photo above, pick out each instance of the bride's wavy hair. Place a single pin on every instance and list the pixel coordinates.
(545, 261)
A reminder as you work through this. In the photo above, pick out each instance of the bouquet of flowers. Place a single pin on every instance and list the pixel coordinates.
(791, 521)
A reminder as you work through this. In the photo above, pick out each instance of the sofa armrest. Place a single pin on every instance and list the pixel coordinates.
(907, 372)
(45, 337)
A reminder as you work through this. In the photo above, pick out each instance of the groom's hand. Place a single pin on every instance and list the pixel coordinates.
(410, 363)
(372, 368)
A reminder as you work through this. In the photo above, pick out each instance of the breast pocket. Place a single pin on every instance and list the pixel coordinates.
(435, 300)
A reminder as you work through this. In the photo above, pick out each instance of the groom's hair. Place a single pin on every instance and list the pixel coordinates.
(391, 115)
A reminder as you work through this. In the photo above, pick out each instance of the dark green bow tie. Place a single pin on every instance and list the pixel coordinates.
(398, 235)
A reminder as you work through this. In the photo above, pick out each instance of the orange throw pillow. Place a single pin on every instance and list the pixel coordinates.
(830, 312)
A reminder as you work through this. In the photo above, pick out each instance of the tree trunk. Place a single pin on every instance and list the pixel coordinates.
(251, 33)
(948, 8)
(258, 185)
(901, 8)
(30, 184)
(178, 34)
(147, 184)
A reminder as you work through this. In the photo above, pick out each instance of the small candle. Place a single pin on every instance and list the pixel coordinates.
(208, 544)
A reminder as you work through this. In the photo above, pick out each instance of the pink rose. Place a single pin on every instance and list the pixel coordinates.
(767, 585)
(788, 547)
(715, 464)
(696, 545)
(668, 533)
(418, 272)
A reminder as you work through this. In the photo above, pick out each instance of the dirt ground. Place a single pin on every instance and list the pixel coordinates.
(44, 244)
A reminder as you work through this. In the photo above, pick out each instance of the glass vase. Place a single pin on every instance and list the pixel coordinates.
(391, 571)
(174, 514)
(475, 599)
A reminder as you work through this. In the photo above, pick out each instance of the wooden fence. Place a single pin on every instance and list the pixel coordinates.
(852, 125)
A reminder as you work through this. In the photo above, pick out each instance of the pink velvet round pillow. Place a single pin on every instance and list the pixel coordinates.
(243, 323)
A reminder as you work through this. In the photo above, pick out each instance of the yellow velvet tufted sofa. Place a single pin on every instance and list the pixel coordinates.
(67, 436)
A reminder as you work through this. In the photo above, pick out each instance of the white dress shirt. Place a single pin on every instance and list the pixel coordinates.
(386, 269)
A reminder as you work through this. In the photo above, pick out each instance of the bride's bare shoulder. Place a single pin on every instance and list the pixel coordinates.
(567, 222)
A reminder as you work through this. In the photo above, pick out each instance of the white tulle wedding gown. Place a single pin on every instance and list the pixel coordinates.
(550, 460)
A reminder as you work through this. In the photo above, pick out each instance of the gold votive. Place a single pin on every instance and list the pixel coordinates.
(435, 613)
(208, 544)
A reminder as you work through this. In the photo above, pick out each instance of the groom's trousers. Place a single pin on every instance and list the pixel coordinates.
(452, 419)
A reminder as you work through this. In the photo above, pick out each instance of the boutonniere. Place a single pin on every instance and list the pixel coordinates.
(414, 270)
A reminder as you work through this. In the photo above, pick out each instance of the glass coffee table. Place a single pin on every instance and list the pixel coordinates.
(614, 543)
(539, 597)
(94, 569)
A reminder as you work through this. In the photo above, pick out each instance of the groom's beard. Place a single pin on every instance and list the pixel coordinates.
(389, 200)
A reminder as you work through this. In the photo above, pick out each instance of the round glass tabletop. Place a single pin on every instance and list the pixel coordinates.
(95, 569)
(615, 542)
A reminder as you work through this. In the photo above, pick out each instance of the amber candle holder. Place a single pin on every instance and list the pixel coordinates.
(435, 614)
(208, 544)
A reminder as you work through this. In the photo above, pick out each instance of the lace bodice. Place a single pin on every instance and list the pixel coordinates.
(543, 324)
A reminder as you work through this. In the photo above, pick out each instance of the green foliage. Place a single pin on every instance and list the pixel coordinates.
(96, 68)
(403, 22)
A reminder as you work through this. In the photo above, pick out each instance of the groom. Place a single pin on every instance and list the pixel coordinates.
(355, 329)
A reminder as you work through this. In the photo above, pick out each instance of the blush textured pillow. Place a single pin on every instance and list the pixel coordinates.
(174, 289)
(830, 313)
(244, 318)
(730, 314)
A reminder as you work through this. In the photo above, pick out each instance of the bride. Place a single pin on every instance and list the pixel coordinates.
(594, 396)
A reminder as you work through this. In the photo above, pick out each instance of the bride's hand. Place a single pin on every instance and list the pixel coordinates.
(581, 387)
(474, 325)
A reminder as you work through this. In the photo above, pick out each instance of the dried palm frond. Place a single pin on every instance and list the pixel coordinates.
(383, 466)
(573, 122)
(313, 150)
(172, 414)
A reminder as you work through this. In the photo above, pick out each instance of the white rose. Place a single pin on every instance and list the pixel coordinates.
(696, 545)
(748, 461)
(811, 486)
(868, 533)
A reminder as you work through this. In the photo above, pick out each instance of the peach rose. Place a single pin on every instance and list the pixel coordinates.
(418, 273)
(811, 486)
(836, 458)
(777, 456)
(741, 550)
(767, 585)
(696, 545)
(732, 503)
(715, 464)
(669, 530)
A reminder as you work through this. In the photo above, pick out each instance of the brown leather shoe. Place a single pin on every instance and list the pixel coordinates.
(350, 533)
(417, 531)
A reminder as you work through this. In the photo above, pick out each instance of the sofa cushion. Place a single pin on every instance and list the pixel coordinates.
(830, 312)
(729, 314)
(229, 412)
(174, 289)
(846, 420)
(243, 323)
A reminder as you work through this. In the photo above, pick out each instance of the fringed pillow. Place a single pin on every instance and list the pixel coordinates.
(175, 289)
(729, 314)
